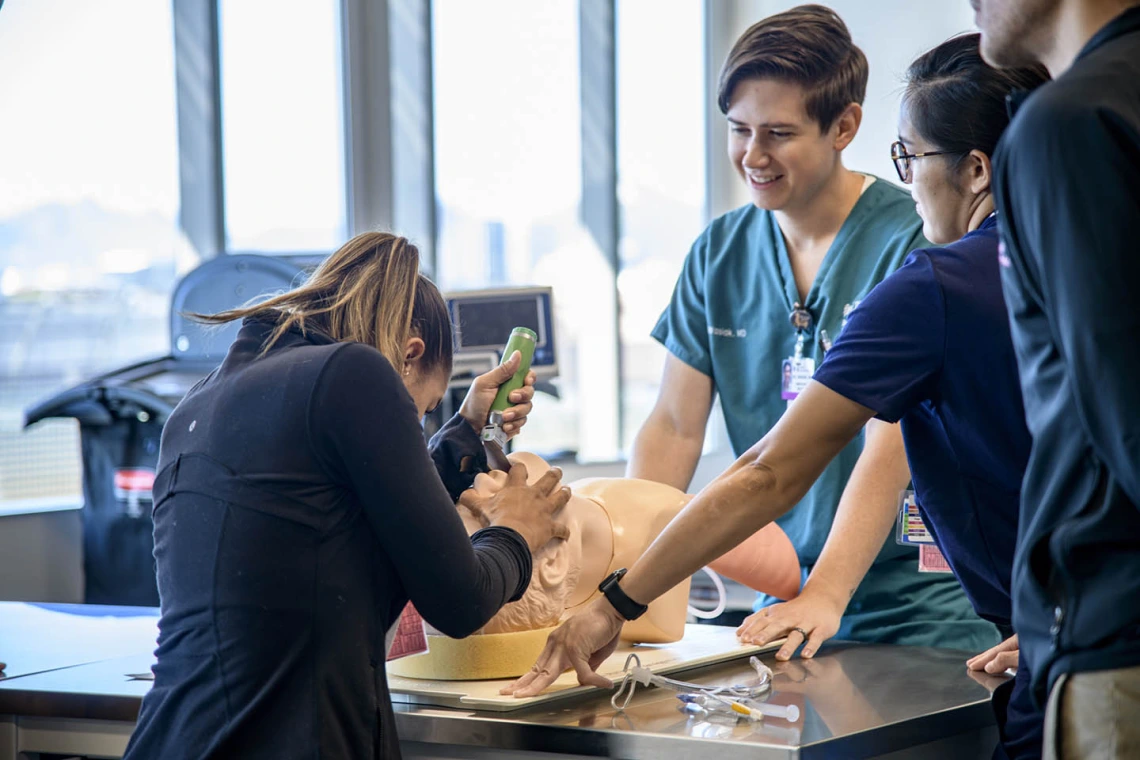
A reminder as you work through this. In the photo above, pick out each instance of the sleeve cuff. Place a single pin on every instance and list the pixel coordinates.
(514, 546)
(699, 362)
(458, 454)
(882, 409)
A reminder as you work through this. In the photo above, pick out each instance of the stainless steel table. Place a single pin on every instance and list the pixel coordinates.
(855, 701)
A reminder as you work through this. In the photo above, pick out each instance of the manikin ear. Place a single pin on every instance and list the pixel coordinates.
(847, 126)
(552, 564)
(977, 172)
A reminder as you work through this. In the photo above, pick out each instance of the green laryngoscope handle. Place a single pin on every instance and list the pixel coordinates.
(522, 340)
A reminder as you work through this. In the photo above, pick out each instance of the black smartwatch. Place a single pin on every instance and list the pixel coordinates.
(626, 607)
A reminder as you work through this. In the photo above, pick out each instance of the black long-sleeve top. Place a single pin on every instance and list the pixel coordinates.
(1067, 187)
(297, 510)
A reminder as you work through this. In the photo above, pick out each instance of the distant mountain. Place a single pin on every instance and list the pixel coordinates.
(86, 235)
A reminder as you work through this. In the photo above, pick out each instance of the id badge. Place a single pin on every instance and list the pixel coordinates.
(406, 636)
(910, 530)
(794, 376)
(930, 560)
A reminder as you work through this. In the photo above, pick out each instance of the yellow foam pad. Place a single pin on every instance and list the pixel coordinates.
(481, 657)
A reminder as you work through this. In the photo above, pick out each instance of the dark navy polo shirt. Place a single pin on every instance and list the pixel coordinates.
(930, 347)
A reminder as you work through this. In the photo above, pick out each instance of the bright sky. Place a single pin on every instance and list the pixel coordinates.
(86, 92)
(281, 120)
(508, 141)
(88, 96)
(506, 106)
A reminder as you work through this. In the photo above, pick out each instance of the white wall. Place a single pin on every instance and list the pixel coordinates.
(891, 33)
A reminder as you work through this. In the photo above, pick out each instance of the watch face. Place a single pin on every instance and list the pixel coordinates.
(626, 607)
(612, 579)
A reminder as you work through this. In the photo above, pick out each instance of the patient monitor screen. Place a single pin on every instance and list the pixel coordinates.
(489, 323)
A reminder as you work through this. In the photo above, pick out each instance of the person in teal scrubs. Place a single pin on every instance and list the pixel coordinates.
(772, 282)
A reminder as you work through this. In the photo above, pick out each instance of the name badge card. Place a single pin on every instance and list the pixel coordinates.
(794, 376)
(407, 637)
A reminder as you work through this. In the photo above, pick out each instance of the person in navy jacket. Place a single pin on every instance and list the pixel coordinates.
(1067, 186)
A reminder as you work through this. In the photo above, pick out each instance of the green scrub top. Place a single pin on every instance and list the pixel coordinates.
(729, 319)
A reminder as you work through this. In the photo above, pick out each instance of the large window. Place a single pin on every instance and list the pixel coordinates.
(282, 131)
(509, 186)
(509, 182)
(661, 178)
(89, 244)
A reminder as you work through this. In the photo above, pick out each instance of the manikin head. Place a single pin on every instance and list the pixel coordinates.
(612, 521)
(557, 566)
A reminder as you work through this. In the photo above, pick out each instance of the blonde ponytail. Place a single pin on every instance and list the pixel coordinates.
(369, 291)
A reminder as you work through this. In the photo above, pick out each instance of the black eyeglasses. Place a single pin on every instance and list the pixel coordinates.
(902, 159)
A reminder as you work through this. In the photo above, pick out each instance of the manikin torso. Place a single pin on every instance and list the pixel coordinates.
(612, 522)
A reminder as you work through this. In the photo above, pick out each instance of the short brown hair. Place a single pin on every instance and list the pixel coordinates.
(808, 45)
(369, 291)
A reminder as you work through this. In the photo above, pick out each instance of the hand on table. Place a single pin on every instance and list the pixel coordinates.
(477, 405)
(996, 659)
(583, 642)
(809, 619)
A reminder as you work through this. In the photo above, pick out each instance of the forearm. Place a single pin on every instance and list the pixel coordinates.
(864, 518)
(663, 454)
(500, 574)
(732, 507)
(767, 481)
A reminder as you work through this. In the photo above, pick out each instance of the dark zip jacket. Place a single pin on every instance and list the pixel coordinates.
(297, 509)
(1067, 185)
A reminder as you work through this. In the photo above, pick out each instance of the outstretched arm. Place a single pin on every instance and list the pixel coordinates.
(767, 481)
(863, 521)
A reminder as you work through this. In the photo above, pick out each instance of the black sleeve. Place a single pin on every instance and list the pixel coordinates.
(1076, 209)
(364, 430)
(458, 454)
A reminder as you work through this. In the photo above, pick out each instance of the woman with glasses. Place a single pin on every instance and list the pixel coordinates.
(930, 346)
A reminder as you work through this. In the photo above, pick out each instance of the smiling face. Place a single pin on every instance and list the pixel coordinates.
(779, 151)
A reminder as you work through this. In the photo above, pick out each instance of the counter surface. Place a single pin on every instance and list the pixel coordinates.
(854, 700)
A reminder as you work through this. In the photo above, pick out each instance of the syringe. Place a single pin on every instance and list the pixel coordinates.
(758, 710)
(707, 702)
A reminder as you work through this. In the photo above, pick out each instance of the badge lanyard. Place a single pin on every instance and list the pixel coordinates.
(796, 370)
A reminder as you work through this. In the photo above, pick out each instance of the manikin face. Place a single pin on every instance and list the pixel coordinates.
(1014, 32)
(612, 521)
(557, 566)
(778, 150)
